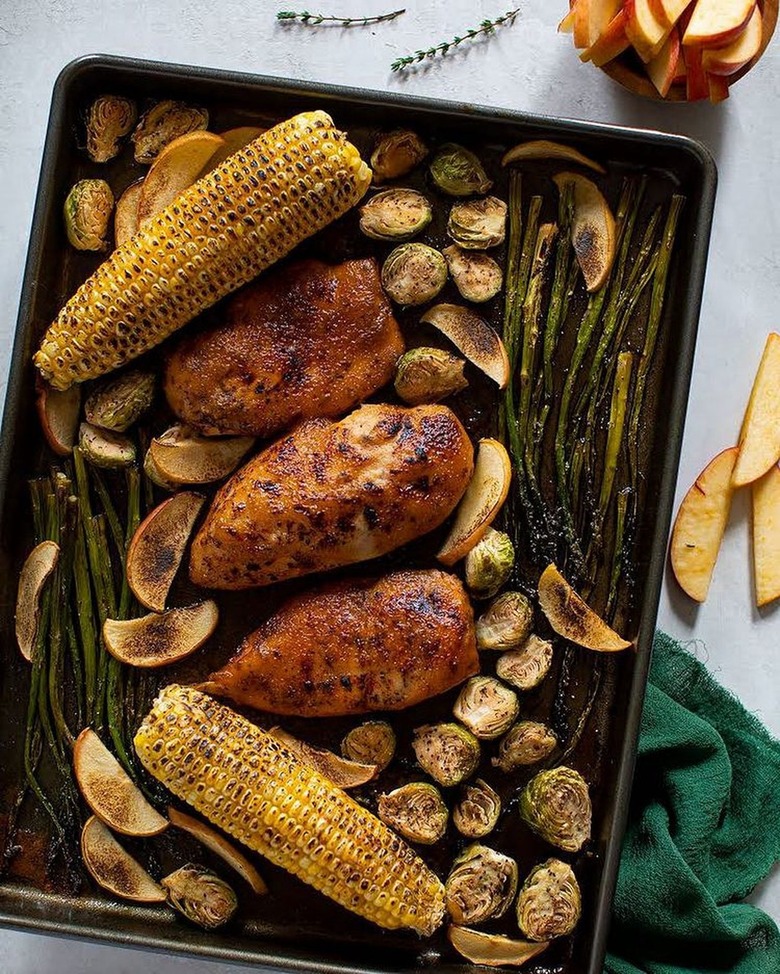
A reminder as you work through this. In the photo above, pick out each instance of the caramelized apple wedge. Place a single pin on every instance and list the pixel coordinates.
(36, 572)
(759, 447)
(572, 618)
(341, 771)
(492, 949)
(175, 169)
(593, 233)
(160, 639)
(233, 139)
(108, 790)
(181, 457)
(157, 548)
(59, 415)
(484, 497)
(544, 149)
(472, 336)
(126, 221)
(766, 537)
(113, 868)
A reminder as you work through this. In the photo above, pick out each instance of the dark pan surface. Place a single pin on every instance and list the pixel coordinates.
(296, 927)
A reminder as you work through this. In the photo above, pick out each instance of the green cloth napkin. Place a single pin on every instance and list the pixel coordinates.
(704, 829)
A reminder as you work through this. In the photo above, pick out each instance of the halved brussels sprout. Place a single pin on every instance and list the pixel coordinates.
(416, 811)
(201, 896)
(120, 402)
(489, 564)
(395, 214)
(486, 707)
(481, 885)
(163, 123)
(105, 449)
(396, 154)
(447, 752)
(478, 224)
(550, 901)
(428, 375)
(372, 742)
(505, 623)
(458, 172)
(476, 814)
(525, 743)
(414, 273)
(556, 805)
(526, 667)
(109, 119)
(477, 277)
(87, 211)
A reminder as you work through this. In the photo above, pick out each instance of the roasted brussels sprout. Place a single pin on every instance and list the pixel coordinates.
(489, 564)
(416, 811)
(447, 752)
(163, 123)
(395, 214)
(458, 172)
(396, 154)
(481, 885)
(478, 224)
(526, 667)
(201, 896)
(428, 375)
(525, 743)
(505, 623)
(109, 119)
(486, 707)
(477, 277)
(120, 402)
(556, 805)
(372, 742)
(476, 814)
(104, 448)
(414, 273)
(87, 211)
(550, 902)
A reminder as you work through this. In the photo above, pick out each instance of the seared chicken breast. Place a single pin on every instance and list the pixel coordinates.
(307, 339)
(334, 493)
(356, 646)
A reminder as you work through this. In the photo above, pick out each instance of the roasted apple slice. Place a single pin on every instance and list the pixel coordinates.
(109, 791)
(113, 868)
(220, 846)
(233, 139)
(181, 457)
(157, 548)
(126, 222)
(341, 771)
(766, 537)
(481, 503)
(472, 336)
(593, 229)
(759, 447)
(700, 525)
(59, 415)
(492, 949)
(715, 23)
(175, 169)
(572, 618)
(160, 639)
(35, 573)
(730, 59)
(544, 149)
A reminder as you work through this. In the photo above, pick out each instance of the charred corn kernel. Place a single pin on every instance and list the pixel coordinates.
(224, 230)
(250, 785)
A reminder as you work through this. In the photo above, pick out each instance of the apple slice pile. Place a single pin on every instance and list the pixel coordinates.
(691, 46)
(703, 515)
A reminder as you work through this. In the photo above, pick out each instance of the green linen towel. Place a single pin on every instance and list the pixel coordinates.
(704, 829)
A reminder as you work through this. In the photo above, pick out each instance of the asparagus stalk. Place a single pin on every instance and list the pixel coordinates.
(109, 510)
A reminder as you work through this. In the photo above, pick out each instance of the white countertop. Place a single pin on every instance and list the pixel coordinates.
(529, 67)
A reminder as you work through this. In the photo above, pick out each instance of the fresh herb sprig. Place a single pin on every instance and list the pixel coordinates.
(314, 20)
(486, 28)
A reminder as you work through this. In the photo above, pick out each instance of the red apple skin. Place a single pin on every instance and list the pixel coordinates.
(730, 59)
(697, 86)
(612, 42)
(663, 68)
(716, 23)
(719, 88)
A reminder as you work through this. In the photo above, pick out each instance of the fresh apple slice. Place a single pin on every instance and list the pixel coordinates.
(766, 537)
(126, 222)
(544, 149)
(668, 12)
(700, 525)
(220, 846)
(59, 415)
(157, 548)
(161, 638)
(644, 30)
(234, 139)
(181, 457)
(715, 23)
(113, 868)
(759, 447)
(696, 85)
(175, 169)
(472, 336)
(728, 60)
(611, 43)
(341, 771)
(591, 18)
(662, 70)
(109, 791)
(36, 571)
(680, 72)
(593, 229)
(572, 618)
(492, 949)
(481, 503)
(566, 26)
(718, 87)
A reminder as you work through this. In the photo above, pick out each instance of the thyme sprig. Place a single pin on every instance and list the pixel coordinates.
(486, 28)
(314, 20)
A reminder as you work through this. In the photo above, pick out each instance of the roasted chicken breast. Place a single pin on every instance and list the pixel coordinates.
(308, 339)
(355, 646)
(334, 493)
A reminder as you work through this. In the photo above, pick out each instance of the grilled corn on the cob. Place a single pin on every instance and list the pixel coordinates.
(242, 217)
(248, 784)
